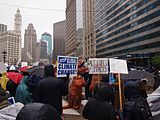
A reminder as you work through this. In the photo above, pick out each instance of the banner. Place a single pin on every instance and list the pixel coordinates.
(98, 65)
(118, 66)
(67, 64)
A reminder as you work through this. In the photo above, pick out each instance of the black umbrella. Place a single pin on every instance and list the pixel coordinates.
(137, 74)
(38, 64)
(39, 71)
(38, 111)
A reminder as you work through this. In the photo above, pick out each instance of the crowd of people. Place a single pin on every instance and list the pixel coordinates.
(42, 96)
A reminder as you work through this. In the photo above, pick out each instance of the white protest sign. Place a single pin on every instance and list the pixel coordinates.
(118, 66)
(67, 64)
(98, 65)
(3, 68)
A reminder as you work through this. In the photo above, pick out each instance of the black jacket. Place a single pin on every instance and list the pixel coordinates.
(100, 106)
(99, 110)
(50, 90)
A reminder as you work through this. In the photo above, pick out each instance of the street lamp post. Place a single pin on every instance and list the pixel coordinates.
(4, 56)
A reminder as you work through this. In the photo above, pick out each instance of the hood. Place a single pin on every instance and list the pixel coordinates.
(48, 70)
(4, 80)
(131, 89)
(103, 92)
(38, 111)
(4, 74)
(25, 80)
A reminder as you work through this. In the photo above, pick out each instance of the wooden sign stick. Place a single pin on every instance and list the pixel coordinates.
(120, 92)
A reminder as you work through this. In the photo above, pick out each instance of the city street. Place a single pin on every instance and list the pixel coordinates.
(72, 114)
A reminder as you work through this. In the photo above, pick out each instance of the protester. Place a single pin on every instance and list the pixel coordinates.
(51, 89)
(105, 79)
(136, 107)
(3, 98)
(23, 94)
(94, 81)
(34, 82)
(11, 84)
(75, 92)
(10, 112)
(38, 111)
(99, 107)
(87, 78)
(4, 80)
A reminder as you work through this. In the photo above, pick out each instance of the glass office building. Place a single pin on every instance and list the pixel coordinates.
(127, 27)
(47, 38)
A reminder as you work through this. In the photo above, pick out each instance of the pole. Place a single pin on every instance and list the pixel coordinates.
(120, 92)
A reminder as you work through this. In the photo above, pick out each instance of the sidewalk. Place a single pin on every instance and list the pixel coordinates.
(72, 114)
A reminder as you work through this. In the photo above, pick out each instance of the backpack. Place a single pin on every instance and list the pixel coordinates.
(137, 109)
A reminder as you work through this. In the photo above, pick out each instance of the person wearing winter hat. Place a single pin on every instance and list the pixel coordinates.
(12, 68)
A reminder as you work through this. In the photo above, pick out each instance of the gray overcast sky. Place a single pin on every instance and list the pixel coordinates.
(42, 19)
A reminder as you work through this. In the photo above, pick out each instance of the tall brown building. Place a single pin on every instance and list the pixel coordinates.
(30, 42)
(70, 43)
(89, 43)
(59, 33)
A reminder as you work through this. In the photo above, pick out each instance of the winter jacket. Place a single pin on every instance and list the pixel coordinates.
(23, 94)
(99, 110)
(4, 80)
(100, 106)
(51, 89)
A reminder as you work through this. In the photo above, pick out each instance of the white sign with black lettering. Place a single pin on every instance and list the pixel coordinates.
(98, 65)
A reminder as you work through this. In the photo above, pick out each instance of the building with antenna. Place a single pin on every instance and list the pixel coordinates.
(10, 41)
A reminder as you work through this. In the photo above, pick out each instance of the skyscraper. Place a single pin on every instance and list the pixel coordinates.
(70, 43)
(59, 32)
(48, 39)
(18, 22)
(74, 24)
(79, 29)
(30, 42)
(43, 49)
(127, 27)
(10, 42)
(89, 43)
(3, 28)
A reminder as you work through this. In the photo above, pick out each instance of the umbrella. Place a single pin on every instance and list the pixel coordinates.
(39, 71)
(23, 69)
(15, 77)
(153, 100)
(38, 111)
(137, 74)
(38, 64)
